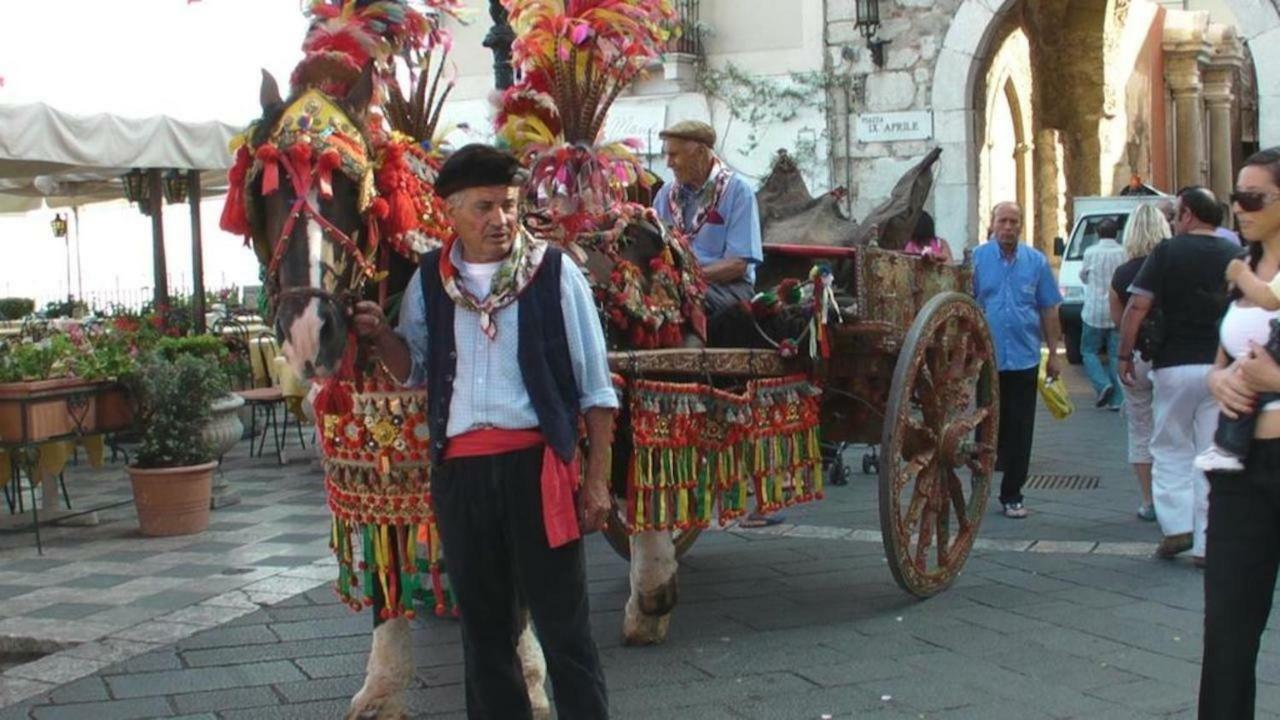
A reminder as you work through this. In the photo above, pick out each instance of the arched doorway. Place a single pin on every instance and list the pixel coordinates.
(1005, 167)
(973, 38)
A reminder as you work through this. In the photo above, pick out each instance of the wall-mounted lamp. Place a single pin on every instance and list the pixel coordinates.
(868, 21)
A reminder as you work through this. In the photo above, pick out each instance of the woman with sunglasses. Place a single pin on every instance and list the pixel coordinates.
(1243, 552)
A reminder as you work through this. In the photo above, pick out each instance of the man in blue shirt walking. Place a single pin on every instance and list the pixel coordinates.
(1019, 295)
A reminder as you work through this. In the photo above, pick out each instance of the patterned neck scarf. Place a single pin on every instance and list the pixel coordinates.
(513, 276)
(708, 200)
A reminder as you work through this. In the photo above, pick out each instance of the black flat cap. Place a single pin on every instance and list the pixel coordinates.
(478, 165)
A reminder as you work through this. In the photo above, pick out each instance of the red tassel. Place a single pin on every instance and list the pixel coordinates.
(270, 158)
(328, 162)
(235, 218)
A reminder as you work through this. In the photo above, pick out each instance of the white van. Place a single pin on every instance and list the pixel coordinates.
(1089, 213)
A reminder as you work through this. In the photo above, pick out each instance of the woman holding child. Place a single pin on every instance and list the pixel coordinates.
(1243, 551)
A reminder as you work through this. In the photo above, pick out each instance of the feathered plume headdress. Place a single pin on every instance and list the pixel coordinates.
(576, 57)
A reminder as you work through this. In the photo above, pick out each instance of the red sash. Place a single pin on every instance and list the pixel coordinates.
(559, 479)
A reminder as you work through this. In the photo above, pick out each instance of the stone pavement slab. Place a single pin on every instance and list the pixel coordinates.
(1061, 615)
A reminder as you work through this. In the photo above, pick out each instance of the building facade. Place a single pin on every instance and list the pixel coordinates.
(1037, 101)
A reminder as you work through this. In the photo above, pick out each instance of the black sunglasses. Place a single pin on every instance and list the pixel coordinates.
(1251, 201)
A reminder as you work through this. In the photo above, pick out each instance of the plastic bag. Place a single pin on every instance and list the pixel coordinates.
(1054, 392)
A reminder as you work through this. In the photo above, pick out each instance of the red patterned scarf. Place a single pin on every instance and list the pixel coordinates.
(517, 271)
(709, 197)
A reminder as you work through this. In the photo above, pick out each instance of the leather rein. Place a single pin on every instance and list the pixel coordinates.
(302, 205)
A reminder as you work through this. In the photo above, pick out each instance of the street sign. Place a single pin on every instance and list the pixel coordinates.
(894, 126)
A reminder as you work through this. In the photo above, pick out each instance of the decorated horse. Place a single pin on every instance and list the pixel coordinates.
(334, 187)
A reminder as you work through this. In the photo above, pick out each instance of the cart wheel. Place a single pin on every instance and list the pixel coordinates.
(939, 444)
(615, 531)
(870, 464)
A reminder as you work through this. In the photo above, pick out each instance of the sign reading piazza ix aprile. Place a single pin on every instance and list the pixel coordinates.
(892, 126)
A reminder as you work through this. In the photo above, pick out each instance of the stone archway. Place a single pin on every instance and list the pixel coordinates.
(1005, 169)
(966, 49)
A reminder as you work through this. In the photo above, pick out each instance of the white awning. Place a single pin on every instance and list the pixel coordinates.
(61, 159)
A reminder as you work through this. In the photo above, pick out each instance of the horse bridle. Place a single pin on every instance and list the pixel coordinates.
(302, 204)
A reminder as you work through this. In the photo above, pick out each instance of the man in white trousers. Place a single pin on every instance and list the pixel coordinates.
(1182, 279)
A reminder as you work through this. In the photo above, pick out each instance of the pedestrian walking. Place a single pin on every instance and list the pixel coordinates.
(1243, 551)
(1146, 228)
(503, 331)
(1184, 278)
(1014, 285)
(1099, 334)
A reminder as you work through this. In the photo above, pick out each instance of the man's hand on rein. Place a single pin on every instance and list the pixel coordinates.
(369, 320)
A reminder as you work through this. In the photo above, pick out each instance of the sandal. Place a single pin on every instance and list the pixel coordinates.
(755, 520)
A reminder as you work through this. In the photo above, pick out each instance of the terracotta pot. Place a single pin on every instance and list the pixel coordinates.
(172, 501)
(115, 410)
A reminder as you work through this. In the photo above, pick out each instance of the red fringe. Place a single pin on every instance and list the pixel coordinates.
(396, 184)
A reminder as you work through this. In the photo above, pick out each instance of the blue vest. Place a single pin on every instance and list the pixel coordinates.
(543, 354)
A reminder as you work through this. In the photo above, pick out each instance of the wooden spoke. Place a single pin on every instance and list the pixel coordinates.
(955, 489)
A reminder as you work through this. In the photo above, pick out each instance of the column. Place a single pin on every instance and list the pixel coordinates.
(1185, 49)
(1219, 99)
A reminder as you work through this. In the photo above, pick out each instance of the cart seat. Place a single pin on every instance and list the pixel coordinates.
(810, 251)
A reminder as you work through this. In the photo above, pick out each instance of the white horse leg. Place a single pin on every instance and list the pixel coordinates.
(389, 672)
(529, 650)
(653, 589)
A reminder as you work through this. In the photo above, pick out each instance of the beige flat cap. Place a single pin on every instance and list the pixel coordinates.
(691, 130)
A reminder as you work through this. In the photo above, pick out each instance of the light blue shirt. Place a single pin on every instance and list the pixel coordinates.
(1012, 294)
(737, 237)
(488, 387)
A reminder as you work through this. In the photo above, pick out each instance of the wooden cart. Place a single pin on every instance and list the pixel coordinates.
(912, 368)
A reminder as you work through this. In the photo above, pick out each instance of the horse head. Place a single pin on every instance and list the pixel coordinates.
(308, 191)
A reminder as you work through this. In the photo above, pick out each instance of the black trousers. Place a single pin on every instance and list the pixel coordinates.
(1242, 555)
(1018, 393)
(1235, 435)
(495, 547)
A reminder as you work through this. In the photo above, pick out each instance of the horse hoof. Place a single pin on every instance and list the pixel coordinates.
(661, 600)
(384, 708)
(640, 629)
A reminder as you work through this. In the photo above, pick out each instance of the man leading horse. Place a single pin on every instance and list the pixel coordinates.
(504, 333)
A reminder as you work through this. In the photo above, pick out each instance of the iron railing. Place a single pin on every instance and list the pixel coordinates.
(691, 30)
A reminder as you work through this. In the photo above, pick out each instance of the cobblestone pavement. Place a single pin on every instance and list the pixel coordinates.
(1062, 615)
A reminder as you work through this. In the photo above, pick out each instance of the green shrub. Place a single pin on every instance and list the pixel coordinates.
(173, 399)
(16, 308)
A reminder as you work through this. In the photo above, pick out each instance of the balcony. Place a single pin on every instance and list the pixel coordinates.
(680, 64)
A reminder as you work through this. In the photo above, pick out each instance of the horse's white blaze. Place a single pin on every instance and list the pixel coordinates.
(315, 244)
(302, 338)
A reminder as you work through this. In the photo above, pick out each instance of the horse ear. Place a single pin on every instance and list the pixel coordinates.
(269, 93)
(361, 93)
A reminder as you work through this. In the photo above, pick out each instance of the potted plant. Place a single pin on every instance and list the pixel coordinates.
(173, 473)
(225, 427)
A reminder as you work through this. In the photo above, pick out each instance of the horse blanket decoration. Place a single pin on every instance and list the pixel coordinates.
(372, 431)
(696, 447)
